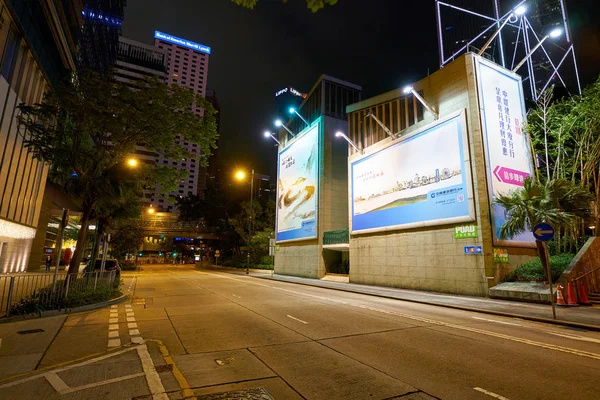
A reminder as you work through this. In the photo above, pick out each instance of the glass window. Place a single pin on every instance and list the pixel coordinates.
(10, 56)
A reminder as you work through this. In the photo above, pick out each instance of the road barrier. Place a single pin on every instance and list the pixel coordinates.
(47, 291)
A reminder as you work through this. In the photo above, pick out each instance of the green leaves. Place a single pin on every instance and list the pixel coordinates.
(313, 5)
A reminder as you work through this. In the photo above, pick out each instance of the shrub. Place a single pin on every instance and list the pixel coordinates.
(534, 271)
(130, 266)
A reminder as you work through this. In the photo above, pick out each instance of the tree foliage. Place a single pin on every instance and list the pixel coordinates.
(127, 238)
(313, 5)
(88, 126)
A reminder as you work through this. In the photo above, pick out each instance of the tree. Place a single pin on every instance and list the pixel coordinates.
(313, 5)
(128, 237)
(556, 203)
(263, 227)
(87, 127)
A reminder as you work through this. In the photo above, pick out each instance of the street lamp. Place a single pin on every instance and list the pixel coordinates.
(151, 210)
(240, 176)
(520, 10)
(342, 135)
(267, 134)
(410, 89)
(280, 124)
(385, 128)
(294, 111)
(553, 34)
(132, 162)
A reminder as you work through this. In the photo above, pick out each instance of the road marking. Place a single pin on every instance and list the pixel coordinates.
(296, 319)
(183, 383)
(58, 384)
(152, 378)
(102, 383)
(562, 349)
(134, 332)
(130, 319)
(137, 340)
(235, 295)
(575, 337)
(498, 322)
(130, 314)
(113, 327)
(131, 325)
(114, 343)
(113, 320)
(492, 394)
(114, 306)
(113, 334)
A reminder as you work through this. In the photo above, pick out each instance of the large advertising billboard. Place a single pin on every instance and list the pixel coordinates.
(297, 187)
(423, 179)
(508, 153)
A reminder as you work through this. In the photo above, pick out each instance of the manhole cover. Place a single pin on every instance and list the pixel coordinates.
(164, 368)
(225, 361)
(30, 331)
(251, 394)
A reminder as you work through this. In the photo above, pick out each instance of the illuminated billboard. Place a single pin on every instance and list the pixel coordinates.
(297, 186)
(508, 154)
(181, 42)
(423, 179)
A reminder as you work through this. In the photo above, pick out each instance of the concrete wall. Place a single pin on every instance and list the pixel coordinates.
(431, 258)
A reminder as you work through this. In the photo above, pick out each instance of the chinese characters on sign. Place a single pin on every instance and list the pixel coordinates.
(501, 256)
(465, 231)
(287, 162)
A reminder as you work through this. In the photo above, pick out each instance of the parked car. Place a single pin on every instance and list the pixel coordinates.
(111, 264)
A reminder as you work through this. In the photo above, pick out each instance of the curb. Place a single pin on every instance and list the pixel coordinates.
(53, 313)
(456, 307)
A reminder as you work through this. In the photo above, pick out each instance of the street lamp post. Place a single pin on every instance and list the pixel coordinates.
(280, 124)
(410, 89)
(240, 175)
(269, 134)
(520, 10)
(553, 34)
(294, 111)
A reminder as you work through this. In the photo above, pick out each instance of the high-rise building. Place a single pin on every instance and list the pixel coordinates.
(37, 49)
(187, 66)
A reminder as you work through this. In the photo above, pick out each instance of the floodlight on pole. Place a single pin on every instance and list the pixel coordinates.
(410, 89)
(553, 34)
(294, 111)
(280, 124)
(520, 10)
(342, 135)
(269, 134)
(385, 128)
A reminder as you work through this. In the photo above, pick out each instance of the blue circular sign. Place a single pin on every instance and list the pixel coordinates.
(543, 232)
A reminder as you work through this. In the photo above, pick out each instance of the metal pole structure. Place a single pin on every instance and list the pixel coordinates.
(104, 251)
(250, 220)
(537, 46)
(59, 240)
(549, 272)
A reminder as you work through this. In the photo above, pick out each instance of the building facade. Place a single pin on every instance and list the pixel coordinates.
(187, 66)
(38, 49)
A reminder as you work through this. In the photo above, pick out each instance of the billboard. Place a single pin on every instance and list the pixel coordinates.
(508, 155)
(422, 179)
(297, 187)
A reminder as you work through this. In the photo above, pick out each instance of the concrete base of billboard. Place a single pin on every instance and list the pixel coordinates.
(299, 259)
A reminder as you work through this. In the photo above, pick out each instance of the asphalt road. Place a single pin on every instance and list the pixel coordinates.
(202, 333)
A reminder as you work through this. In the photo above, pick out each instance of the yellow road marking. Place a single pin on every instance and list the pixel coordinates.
(187, 392)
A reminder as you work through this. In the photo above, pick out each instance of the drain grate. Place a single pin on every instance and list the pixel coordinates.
(30, 331)
(249, 394)
(225, 361)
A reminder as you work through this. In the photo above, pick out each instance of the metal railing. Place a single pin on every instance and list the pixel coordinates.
(43, 292)
(590, 280)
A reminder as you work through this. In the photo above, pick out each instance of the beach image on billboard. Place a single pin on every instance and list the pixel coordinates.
(508, 154)
(421, 179)
(297, 179)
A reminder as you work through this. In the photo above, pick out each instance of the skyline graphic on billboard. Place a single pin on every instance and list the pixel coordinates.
(297, 187)
(507, 146)
(422, 180)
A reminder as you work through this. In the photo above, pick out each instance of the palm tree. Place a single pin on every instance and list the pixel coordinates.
(535, 203)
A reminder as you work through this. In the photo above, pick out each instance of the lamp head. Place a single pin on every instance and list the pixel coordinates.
(267, 133)
(520, 10)
(151, 210)
(556, 33)
(132, 162)
(339, 134)
(407, 89)
(292, 110)
(278, 122)
(240, 175)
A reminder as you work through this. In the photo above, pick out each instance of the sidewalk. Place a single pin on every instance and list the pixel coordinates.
(578, 317)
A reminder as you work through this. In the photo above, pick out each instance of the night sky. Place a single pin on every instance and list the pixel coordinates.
(378, 44)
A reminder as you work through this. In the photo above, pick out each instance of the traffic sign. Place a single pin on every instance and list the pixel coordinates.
(473, 250)
(543, 232)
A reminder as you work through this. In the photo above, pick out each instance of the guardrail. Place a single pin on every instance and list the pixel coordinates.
(46, 292)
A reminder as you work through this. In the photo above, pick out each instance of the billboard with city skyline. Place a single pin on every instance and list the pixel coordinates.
(297, 187)
(508, 154)
(421, 180)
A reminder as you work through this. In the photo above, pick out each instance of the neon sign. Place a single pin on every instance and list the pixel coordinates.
(291, 90)
(181, 42)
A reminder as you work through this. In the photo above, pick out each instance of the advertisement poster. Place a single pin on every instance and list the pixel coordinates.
(507, 145)
(422, 180)
(297, 180)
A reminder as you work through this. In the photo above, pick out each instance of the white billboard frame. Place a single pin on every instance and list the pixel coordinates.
(282, 149)
(383, 145)
(484, 134)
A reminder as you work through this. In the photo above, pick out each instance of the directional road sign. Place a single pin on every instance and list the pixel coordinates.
(543, 232)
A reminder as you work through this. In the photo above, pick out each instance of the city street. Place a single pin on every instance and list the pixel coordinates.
(189, 333)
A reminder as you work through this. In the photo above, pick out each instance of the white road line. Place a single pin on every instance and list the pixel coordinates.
(132, 325)
(296, 319)
(102, 383)
(113, 320)
(562, 349)
(137, 340)
(58, 384)
(134, 332)
(154, 383)
(113, 334)
(130, 319)
(113, 327)
(114, 306)
(575, 337)
(235, 295)
(498, 322)
(492, 394)
(114, 343)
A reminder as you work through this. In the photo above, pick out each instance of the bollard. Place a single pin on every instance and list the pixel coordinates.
(10, 292)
